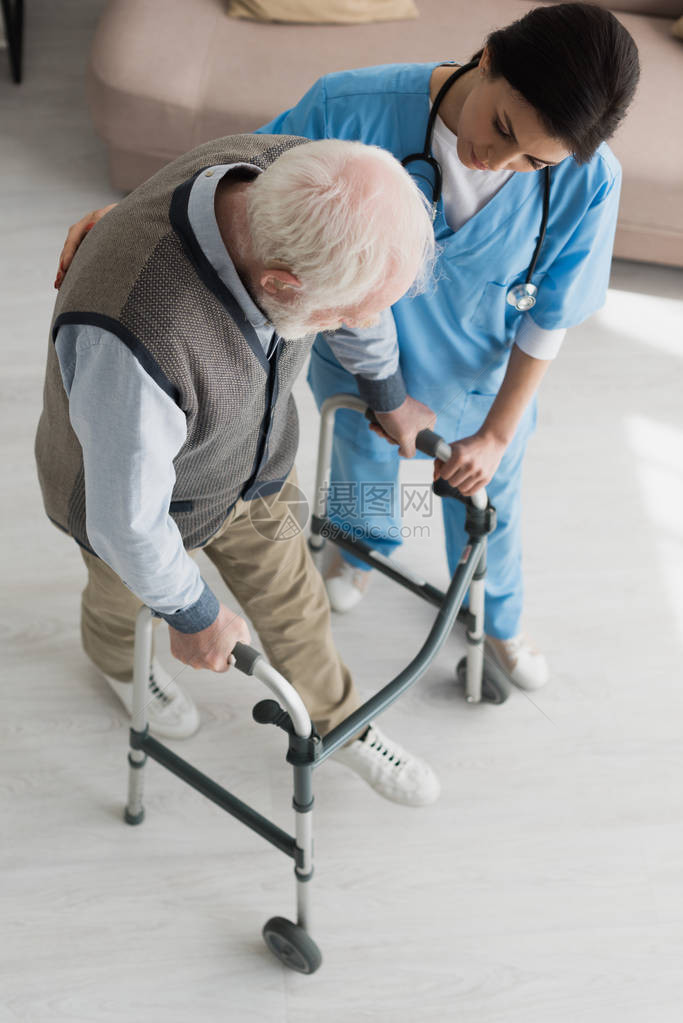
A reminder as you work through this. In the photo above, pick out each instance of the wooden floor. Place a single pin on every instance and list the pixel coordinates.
(546, 886)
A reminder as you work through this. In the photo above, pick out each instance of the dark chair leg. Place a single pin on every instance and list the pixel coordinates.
(13, 17)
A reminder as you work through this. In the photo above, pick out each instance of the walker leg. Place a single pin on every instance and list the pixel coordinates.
(482, 680)
(292, 943)
(303, 809)
(475, 635)
(134, 812)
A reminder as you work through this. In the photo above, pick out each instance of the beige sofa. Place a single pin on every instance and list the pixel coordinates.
(166, 75)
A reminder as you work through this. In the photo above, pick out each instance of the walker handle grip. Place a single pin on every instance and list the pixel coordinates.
(252, 662)
(245, 657)
(428, 442)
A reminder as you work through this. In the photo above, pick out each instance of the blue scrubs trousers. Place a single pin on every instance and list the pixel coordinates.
(361, 457)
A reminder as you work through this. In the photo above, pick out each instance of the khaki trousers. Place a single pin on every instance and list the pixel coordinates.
(262, 555)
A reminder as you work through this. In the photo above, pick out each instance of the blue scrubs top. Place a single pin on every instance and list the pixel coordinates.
(456, 337)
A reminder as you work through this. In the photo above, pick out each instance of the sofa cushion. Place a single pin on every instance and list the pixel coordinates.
(652, 8)
(340, 12)
(650, 148)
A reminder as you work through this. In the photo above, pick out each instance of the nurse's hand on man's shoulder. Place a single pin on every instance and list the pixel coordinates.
(402, 425)
(75, 236)
(473, 463)
(211, 647)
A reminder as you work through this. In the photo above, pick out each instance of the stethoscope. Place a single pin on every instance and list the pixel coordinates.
(521, 296)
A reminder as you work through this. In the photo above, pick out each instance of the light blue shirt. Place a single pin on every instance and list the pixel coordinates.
(130, 431)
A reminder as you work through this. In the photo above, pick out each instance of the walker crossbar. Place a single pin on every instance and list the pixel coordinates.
(479, 522)
(337, 535)
(215, 792)
(342, 538)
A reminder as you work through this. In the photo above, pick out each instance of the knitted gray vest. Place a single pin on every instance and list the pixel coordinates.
(141, 275)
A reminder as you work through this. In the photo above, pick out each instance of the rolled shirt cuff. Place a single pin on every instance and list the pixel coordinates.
(194, 617)
(539, 342)
(383, 395)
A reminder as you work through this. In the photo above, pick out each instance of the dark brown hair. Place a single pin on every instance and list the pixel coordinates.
(576, 64)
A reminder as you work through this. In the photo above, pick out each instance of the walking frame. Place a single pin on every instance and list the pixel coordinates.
(291, 942)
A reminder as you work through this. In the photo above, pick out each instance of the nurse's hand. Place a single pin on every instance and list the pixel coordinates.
(402, 425)
(472, 464)
(75, 236)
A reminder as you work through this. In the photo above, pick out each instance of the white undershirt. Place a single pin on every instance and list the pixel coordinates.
(465, 191)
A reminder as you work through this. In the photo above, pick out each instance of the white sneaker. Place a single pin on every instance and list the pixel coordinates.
(390, 770)
(521, 662)
(170, 712)
(345, 584)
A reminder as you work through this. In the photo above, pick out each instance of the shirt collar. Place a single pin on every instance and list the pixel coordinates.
(202, 217)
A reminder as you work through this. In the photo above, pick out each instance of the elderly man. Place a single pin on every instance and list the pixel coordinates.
(177, 336)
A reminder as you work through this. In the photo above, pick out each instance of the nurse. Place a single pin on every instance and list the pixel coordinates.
(523, 124)
(537, 101)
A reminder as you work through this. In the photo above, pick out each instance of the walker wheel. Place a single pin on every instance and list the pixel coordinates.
(494, 689)
(292, 945)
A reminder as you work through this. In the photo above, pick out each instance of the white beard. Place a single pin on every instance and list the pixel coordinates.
(292, 323)
(293, 330)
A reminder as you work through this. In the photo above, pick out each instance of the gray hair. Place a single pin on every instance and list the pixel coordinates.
(344, 217)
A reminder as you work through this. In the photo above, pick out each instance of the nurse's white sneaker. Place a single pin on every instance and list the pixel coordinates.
(522, 663)
(345, 584)
(170, 711)
(390, 770)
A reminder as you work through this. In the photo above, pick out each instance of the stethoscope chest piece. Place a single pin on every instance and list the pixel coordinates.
(522, 296)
